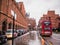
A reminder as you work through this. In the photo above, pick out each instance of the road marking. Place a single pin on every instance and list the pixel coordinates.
(43, 42)
(50, 43)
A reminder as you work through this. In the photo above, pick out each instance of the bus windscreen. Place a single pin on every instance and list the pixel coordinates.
(47, 23)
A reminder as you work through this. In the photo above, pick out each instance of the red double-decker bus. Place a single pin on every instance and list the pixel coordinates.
(46, 28)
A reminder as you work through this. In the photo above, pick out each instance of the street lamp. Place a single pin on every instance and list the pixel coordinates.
(14, 17)
(13, 30)
(13, 25)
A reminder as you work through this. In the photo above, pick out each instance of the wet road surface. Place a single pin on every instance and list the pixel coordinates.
(34, 38)
(53, 40)
(30, 39)
(26, 39)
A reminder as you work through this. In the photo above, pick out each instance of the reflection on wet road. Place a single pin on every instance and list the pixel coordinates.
(26, 39)
(29, 39)
(34, 38)
(53, 40)
(36, 41)
(9, 42)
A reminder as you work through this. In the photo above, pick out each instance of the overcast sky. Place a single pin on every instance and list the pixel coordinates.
(37, 8)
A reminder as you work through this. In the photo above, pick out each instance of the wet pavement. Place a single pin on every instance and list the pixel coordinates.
(33, 38)
(36, 41)
(28, 39)
(9, 42)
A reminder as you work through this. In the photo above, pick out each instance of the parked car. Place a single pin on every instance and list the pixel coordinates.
(20, 32)
(3, 38)
(9, 33)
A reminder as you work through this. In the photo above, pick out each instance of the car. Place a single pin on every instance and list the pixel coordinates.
(20, 32)
(9, 33)
(3, 38)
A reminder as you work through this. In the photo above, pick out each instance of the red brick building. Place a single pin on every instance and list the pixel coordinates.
(54, 18)
(32, 22)
(9, 9)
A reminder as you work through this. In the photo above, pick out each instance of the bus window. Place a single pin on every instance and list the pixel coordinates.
(46, 28)
(47, 23)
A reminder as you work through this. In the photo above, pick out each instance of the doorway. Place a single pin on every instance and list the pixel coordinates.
(10, 26)
(4, 26)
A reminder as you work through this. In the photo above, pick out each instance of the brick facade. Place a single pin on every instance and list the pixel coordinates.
(55, 22)
(32, 22)
(8, 6)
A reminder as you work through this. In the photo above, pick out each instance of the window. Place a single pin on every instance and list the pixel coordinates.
(47, 28)
(13, 14)
(47, 23)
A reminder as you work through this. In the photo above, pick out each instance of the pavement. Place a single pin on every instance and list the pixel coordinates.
(28, 39)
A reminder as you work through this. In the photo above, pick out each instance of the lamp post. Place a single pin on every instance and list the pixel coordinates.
(14, 17)
(13, 30)
(13, 25)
